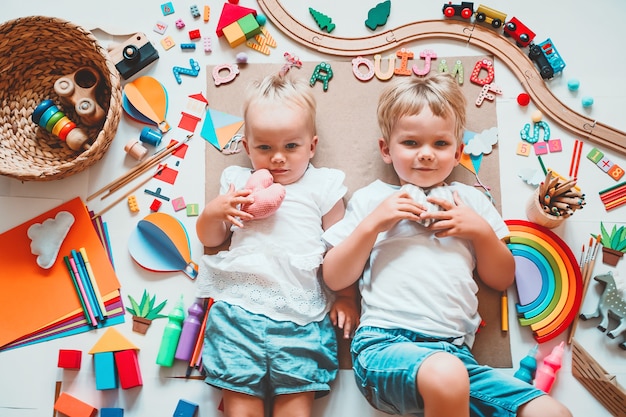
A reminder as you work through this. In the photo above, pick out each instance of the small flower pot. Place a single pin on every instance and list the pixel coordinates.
(141, 324)
(611, 256)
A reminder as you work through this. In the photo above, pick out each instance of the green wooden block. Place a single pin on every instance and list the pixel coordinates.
(249, 26)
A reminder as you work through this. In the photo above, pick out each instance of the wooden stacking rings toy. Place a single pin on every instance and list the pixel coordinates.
(51, 118)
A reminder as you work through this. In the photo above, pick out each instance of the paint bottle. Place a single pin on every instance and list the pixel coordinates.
(528, 366)
(189, 334)
(171, 335)
(546, 372)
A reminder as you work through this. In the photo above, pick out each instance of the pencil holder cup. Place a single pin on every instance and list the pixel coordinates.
(536, 213)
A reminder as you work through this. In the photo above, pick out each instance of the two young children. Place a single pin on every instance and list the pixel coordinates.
(412, 350)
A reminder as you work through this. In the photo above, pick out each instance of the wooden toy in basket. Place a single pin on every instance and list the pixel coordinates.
(35, 53)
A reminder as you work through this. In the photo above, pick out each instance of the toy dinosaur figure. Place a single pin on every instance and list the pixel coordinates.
(611, 304)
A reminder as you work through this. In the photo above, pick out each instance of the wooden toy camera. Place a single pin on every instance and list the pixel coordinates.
(79, 90)
(133, 55)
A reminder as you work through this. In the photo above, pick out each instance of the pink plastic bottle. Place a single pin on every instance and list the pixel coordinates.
(546, 372)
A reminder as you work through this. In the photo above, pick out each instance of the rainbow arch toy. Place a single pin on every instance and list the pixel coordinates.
(547, 277)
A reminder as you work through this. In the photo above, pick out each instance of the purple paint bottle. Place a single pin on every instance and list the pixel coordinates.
(189, 334)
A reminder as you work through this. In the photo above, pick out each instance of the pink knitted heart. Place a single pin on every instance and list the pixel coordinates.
(267, 195)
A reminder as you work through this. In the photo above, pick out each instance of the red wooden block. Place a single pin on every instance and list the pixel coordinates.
(73, 407)
(128, 368)
(69, 359)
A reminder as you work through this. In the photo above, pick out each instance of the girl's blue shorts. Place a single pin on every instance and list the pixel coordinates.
(255, 355)
(386, 363)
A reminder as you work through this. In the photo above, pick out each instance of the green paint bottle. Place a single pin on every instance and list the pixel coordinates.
(171, 335)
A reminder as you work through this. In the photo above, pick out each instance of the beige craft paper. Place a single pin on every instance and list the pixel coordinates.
(348, 133)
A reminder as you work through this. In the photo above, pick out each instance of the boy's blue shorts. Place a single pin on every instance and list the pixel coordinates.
(255, 355)
(386, 362)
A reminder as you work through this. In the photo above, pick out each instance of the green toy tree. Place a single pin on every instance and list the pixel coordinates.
(323, 21)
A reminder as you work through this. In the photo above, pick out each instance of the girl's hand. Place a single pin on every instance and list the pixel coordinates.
(226, 207)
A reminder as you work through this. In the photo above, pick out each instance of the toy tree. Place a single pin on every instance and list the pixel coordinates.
(323, 21)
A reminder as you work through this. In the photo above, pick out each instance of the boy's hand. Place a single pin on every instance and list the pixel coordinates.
(456, 219)
(394, 208)
(226, 207)
(345, 314)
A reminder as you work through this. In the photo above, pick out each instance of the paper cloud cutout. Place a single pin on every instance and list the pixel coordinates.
(531, 176)
(482, 143)
(47, 237)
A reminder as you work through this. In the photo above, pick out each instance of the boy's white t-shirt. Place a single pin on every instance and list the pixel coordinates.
(414, 280)
(272, 265)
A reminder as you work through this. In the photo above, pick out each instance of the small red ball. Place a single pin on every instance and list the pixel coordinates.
(523, 99)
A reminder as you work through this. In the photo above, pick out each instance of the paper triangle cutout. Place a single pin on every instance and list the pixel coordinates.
(219, 127)
(112, 341)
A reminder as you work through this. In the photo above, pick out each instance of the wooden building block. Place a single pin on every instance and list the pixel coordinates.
(69, 359)
(128, 368)
(249, 26)
(111, 412)
(104, 368)
(185, 408)
(234, 35)
(73, 407)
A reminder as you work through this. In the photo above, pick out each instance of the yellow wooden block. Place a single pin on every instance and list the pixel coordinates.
(234, 35)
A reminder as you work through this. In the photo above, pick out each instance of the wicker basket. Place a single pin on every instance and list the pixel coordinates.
(34, 52)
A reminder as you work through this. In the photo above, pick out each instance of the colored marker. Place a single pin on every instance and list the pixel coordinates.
(94, 283)
(82, 273)
(77, 288)
(92, 317)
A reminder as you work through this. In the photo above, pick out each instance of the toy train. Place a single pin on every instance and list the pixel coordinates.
(544, 55)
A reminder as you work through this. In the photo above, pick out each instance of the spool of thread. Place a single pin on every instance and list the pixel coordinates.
(135, 149)
(151, 136)
(51, 118)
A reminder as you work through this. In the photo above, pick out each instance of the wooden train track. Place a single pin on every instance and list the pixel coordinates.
(514, 58)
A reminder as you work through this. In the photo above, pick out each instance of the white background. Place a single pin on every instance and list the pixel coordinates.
(587, 34)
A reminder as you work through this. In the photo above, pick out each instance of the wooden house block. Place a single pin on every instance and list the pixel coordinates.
(249, 26)
(104, 368)
(128, 368)
(234, 35)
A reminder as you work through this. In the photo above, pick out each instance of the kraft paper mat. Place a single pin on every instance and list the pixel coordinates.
(348, 133)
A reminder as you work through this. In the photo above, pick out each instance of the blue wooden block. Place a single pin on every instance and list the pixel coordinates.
(104, 368)
(185, 409)
(111, 412)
